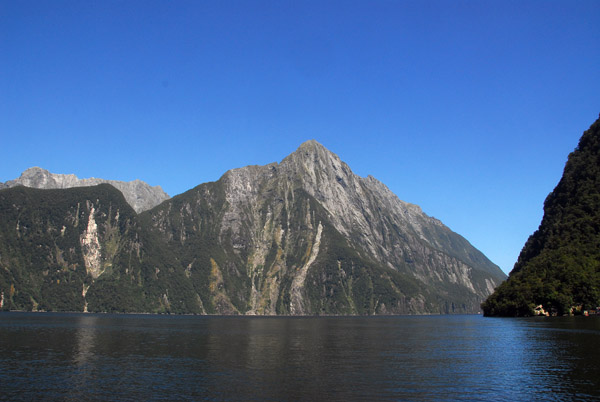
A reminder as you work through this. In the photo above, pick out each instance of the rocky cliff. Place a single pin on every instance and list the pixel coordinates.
(138, 194)
(308, 236)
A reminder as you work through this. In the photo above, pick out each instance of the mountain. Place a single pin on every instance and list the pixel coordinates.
(138, 194)
(558, 270)
(308, 236)
(303, 236)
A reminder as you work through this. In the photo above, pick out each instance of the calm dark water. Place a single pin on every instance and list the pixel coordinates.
(78, 357)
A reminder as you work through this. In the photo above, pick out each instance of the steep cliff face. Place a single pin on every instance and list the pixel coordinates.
(307, 236)
(559, 266)
(138, 194)
(392, 231)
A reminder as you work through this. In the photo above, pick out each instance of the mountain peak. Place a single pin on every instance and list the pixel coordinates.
(313, 152)
(314, 148)
(263, 215)
(311, 144)
(34, 170)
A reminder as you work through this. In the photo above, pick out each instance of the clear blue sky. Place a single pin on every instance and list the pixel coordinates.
(466, 108)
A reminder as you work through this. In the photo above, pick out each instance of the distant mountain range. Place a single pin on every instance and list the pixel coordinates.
(138, 194)
(302, 237)
(558, 270)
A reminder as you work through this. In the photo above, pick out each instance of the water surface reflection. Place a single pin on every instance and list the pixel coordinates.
(116, 357)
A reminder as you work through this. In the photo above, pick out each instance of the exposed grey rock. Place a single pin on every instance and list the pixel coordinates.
(138, 194)
(392, 230)
(303, 234)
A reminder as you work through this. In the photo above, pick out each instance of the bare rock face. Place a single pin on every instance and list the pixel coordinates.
(308, 236)
(138, 194)
(391, 230)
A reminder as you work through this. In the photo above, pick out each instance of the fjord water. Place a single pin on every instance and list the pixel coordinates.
(74, 357)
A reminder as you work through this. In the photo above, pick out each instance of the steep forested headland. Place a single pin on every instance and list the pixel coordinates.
(559, 266)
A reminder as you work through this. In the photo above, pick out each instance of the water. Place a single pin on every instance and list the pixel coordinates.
(78, 357)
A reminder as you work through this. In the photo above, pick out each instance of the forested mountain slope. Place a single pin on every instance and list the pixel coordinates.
(559, 266)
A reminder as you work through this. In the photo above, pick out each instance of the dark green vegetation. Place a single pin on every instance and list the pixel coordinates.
(305, 236)
(559, 266)
(46, 264)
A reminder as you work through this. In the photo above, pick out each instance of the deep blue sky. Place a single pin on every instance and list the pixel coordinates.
(466, 108)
